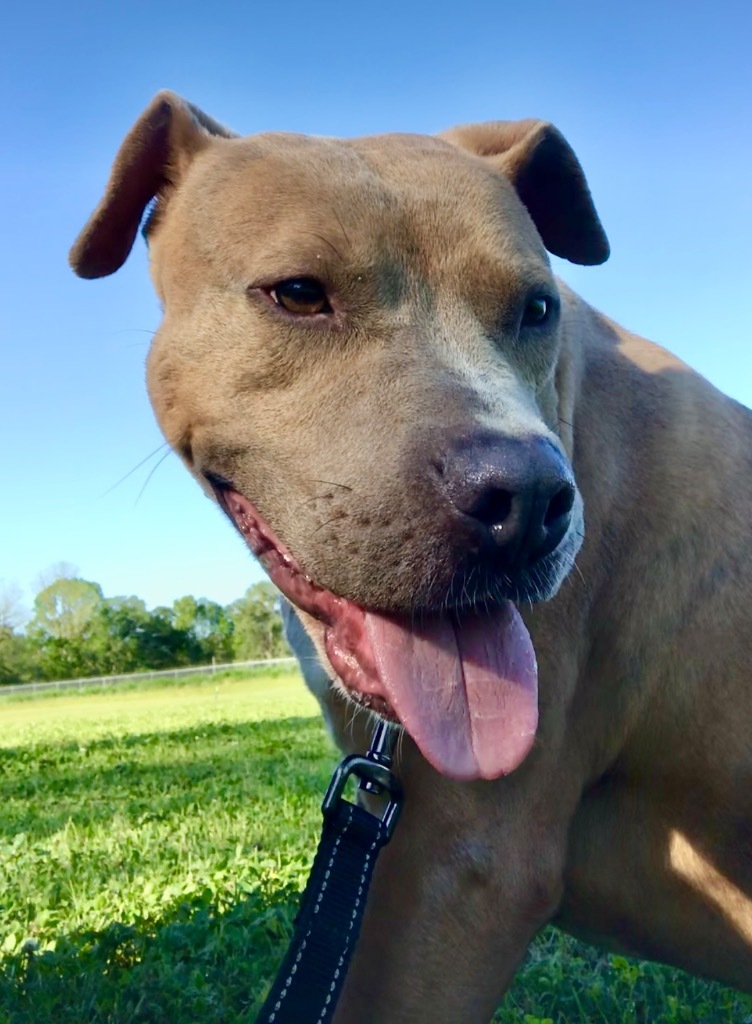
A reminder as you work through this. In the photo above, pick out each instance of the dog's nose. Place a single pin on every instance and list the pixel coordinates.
(519, 492)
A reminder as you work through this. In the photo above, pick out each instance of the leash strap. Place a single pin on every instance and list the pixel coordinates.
(310, 979)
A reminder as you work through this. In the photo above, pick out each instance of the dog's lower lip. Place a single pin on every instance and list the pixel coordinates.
(297, 586)
(263, 543)
(260, 538)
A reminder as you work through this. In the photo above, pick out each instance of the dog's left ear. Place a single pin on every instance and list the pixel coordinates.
(549, 180)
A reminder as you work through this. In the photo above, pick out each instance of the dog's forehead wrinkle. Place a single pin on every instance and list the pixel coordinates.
(354, 194)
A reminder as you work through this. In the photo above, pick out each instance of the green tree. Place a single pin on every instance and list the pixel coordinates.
(12, 612)
(61, 627)
(257, 623)
(17, 657)
(76, 631)
(64, 608)
(115, 637)
(209, 623)
(126, 637)
(164, 645)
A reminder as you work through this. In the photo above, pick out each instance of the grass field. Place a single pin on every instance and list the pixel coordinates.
(153, 841)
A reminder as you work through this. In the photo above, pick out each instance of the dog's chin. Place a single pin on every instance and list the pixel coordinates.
(459, 674)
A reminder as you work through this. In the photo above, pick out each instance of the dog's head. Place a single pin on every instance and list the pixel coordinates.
(361, 359)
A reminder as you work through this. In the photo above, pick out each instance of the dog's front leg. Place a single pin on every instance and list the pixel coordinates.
(472, 872)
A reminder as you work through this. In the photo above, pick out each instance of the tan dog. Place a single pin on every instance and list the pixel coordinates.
(366, 359)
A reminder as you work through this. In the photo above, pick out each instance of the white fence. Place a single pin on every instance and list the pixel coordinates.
(133, 677)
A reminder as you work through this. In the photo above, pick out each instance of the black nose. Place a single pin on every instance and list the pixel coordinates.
(519, 492)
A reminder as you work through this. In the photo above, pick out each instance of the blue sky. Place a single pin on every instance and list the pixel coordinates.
(656, 99)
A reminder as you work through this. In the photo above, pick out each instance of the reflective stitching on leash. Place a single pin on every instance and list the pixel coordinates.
(354, 914)
(327, 873)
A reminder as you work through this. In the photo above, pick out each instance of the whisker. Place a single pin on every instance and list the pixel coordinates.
(342, 226)
(398, 750)
(326, 523)
(326, 241)
(317, 497)
(132, 330)
(579, 572)
(132, 471)
(333, 483)
(151, 474)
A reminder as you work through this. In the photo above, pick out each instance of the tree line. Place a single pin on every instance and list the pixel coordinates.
(76, 631)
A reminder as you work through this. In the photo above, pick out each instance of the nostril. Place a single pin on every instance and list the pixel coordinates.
(559, 506)
(492, 507)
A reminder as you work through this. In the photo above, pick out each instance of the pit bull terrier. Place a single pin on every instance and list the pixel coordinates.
(506, 523)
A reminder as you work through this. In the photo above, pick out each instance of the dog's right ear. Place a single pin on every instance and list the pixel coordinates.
(151, 161)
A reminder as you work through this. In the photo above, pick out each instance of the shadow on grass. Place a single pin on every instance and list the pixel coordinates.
(202, 965)
(210, 966)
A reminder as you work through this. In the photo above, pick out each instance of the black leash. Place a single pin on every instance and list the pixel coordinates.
(310, 979)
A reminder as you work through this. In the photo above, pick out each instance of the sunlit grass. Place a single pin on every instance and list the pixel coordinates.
(152, 842)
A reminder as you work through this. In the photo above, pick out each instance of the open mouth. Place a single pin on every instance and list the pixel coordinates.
(464, 684)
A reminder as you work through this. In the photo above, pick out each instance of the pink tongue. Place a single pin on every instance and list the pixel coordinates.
(465, 689)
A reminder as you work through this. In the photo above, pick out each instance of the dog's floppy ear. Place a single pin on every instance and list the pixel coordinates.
(153, 157)
(549, 180)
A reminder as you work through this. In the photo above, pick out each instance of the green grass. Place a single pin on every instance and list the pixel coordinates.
(152, 844)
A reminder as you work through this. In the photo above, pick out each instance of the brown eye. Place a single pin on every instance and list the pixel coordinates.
(302, 295)
(537, 311)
